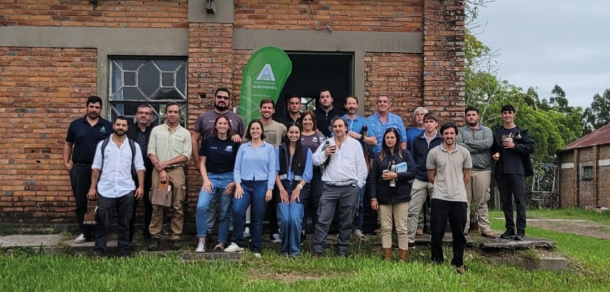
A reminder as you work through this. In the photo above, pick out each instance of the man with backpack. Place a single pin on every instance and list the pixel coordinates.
(116, 159)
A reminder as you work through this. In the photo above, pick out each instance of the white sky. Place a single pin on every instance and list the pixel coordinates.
(546, 42)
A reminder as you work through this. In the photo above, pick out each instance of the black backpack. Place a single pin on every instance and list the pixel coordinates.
(132, 145)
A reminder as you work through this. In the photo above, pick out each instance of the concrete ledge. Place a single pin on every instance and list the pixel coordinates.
(547, 264)
(511, 244)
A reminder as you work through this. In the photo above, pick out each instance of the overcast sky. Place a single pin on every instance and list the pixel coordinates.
(546, 42)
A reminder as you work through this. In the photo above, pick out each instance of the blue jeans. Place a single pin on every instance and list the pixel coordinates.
(254, 196)
(357, 224)
(290, 217)
(219, 183)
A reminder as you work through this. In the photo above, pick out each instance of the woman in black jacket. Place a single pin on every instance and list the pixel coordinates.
(391, 192)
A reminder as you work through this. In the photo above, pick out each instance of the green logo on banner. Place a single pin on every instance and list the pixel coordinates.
(264, 77)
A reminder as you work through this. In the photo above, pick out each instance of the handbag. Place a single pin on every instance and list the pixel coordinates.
(162, 194)
(91, 215)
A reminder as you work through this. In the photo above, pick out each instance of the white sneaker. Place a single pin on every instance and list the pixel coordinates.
(358, 233)
(246, 232)
(80, 239)
(276, 238)
(233, 248)
(200, 247)
(258, 255)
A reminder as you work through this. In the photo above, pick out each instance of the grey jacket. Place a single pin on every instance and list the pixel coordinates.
(478, 144)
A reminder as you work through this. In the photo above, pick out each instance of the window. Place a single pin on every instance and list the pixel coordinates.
(154, 81)
(587, 173)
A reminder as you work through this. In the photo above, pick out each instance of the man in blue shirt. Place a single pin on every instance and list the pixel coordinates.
(384, 120)
(412, 134)
(355, 125)
(81, 142)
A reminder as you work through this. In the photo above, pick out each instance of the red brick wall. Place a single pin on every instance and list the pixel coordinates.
(567, 186)
(142, 13)
(353, 15)
(399, 76)
(41, 91)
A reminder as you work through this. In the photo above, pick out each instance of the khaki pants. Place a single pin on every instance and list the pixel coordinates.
(176, 177)
(400, 213)
(419, 192)
(478, 190)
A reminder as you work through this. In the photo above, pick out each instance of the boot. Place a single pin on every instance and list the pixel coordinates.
(387, 254)
(404, 255)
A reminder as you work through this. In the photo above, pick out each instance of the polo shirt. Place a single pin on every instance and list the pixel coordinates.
(449, 181)
(84, 138)
(167, 144)
(393, 121)
(205, 123)
(356, 126)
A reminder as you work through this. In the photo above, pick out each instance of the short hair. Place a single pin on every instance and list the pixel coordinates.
(471, 109)
(223, 90)
(95, 99)
(351, 96)
(449, 125)
(248, 136)
(420, 109)
(430, 116)
(294, 95)
(146, 105)
(122, 118)
(215, 131)
(172, 104)
(323, 91)
(332, 122)
(382, 94)
(313, 118)
(508, 108)
(267, 100)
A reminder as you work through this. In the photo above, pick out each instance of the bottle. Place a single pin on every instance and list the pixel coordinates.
(393, 169)
(365, 131)
(326, 144)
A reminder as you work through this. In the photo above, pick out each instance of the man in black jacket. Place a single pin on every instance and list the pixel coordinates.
(326, 112)
(511, 150)
(140, 133)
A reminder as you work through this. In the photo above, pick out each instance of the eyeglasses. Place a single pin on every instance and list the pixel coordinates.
(144, 113)
(222, 97)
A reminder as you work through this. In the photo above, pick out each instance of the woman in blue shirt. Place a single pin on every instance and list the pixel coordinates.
(254, 176)
(217, 162)
(294, 172)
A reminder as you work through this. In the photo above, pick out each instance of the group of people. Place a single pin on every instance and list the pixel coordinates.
(319, 162)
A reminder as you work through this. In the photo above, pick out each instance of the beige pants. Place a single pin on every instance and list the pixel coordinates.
(478, 191)
(419, 192)
(176, 177)
(400, 213)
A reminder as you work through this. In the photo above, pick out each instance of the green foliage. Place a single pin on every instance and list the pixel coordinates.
(598, 114)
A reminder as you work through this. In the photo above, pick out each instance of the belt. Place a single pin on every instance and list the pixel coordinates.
(296, 177)
(343, 183)
(82, 164)
(172, 167)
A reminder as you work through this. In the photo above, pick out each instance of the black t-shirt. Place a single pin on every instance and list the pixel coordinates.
(84, 137)
(219, 154)
(512, 160)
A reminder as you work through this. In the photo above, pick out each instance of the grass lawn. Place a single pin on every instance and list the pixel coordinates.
(588, 271)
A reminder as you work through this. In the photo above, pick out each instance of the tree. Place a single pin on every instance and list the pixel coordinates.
(598, 114)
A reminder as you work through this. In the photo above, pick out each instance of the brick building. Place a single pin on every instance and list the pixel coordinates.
(584, 171)
(55, 53)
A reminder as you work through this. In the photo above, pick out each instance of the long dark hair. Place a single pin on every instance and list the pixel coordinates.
(229, 131)
(248, 136)
(298, 156)
(384, 147)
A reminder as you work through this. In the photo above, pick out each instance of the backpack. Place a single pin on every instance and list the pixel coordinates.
(132, 145)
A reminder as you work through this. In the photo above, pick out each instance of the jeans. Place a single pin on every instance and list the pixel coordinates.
(220, 181)
(456, 212)
(290, 217)
(80, 179)
(357, 224)
(316, 186)
(513, 185)
(254, 195)
(105, 215)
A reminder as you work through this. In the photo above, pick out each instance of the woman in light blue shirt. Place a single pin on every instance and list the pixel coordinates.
(294, 172)
(254, 176)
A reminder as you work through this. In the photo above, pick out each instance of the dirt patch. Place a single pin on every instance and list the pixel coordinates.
(580, 227)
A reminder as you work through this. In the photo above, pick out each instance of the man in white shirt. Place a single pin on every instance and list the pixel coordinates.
(344, 175)
(115, 188)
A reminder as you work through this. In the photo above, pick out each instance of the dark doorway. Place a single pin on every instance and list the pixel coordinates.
(312, 73)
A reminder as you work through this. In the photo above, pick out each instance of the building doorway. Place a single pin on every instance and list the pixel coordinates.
(313, 72)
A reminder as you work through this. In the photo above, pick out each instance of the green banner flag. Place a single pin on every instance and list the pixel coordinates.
(264, 77)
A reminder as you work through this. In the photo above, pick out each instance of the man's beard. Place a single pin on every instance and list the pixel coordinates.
(221, 108)
(472, 124)
(93, 115)
(120, 133)
(351, 111)
(143, 122)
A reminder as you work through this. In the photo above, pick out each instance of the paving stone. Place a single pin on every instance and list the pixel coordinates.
(527, 243)
(29, 240)
(547, 264)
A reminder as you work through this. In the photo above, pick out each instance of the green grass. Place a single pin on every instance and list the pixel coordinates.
(574, 214)
(587, 271)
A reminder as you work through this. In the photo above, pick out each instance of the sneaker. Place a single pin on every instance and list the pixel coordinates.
(80, 239)
(200, 247)
(258, 255)
(276, 238)
(420, 231)
(358, 233)
(219, 247)
(508, 234)
(246, 232)
(233, 248)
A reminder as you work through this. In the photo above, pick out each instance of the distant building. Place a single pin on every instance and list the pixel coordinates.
(584, 170)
